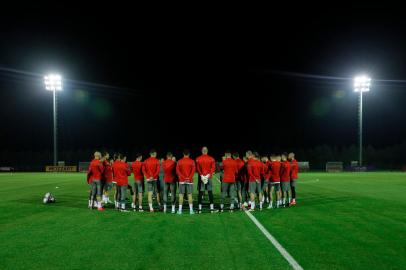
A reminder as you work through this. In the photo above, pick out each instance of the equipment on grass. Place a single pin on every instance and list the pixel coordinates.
(48, 198)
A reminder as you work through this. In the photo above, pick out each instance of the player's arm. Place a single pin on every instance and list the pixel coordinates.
(157, 168)
(212, 167)
(192, 172)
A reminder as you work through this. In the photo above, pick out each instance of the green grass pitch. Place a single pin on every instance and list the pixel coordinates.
(341, 221)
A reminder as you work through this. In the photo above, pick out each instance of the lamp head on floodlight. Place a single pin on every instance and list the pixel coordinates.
(53, 82)
(362, 83)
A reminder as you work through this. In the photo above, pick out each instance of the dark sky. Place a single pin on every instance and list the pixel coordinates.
(135, 80)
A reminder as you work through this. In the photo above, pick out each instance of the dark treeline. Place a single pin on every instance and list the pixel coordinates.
(386, 158)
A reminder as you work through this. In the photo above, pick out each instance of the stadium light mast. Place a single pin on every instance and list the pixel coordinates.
(53, 82)
(361, 85)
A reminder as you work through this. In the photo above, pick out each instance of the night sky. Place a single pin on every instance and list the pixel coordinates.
(269, 82)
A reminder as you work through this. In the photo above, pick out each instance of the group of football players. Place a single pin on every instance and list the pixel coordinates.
(272, 180)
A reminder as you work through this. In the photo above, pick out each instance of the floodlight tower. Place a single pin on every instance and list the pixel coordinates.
(361, 85)
(53, 82)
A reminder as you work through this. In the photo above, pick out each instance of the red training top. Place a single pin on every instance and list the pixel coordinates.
(185, 169)
(276, 171)
(121, 171)
(285, 171)
(255, 170)
(169, 167)
(151, 168)
(294, 169)
(137, 171)
(205, 165)
(230, 170)
(108, 171)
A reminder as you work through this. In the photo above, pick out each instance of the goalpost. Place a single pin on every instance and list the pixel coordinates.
(334, 166)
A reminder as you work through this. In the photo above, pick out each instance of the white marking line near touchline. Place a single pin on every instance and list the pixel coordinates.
(274, 242)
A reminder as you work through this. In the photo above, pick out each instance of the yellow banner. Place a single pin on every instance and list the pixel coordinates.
(60, 168)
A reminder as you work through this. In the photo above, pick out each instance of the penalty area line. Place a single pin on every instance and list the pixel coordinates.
(295, 265)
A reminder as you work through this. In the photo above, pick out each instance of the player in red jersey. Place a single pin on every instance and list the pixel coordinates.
(206, 166)
(285, 179)
(255, 171)
(293, 176)
(94, 176)
(275, 181)
(265, 179)
(107, 177)
(185, 169)
(121, 171)
(138, 185)
(151, 172)
(169, 178)
(230, 168)
(240, 179)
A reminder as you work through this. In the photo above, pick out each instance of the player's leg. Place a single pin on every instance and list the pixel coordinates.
(239, 193)
(181, 193)
(223, 195)
(200, 188)
(210, 191)
(98, 194)
(140, 194)
(91, 196)
(135, 189)
(123, 194)
(173, 196)
(293, 191)
(159, 188)
(252, 191)
(165, 193)
(232, 195)
(271, 191)
(150, 189)
(190, 197)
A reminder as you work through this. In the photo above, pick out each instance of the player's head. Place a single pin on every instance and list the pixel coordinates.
(205, 150)
(97, 155)
(284, 156)
(272, 157)
(118, 156)
(248, 154)
(174, 159)
(278, 157)
(245, 158)
(169, 155)
(264, 158)
(138, 156)
(255, 155)
(124, 158)
(186, 153)
(236, 155)
(291, 156)
(106, 155)
(227, 154)
(152, 153)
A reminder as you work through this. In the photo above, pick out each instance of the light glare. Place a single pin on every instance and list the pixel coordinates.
(362, 83)
(53, 82)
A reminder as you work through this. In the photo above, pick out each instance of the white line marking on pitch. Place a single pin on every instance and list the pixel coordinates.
(275, 243)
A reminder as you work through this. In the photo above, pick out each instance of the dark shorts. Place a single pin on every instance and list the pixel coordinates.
(208, 186)
(107, 186)
(238, 185)
(276, 186)
(160, 185)
(285, 186)
(152, 186)
(185, 188)
(255, 187)
(138, 187)
(264, 185)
